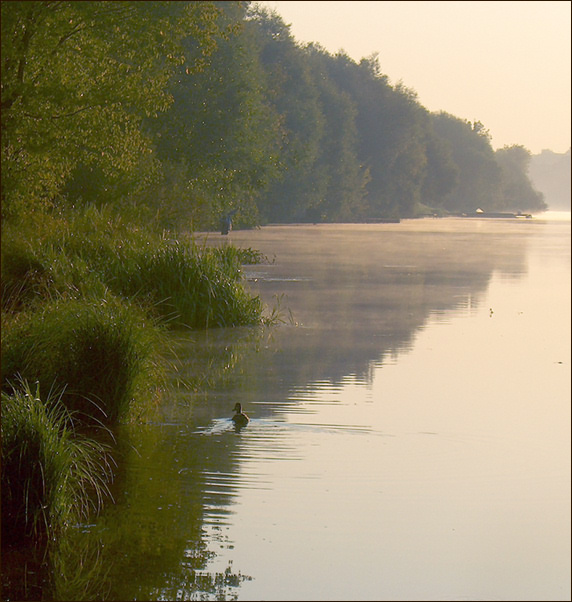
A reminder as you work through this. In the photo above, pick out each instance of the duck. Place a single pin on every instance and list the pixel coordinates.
(239, 418)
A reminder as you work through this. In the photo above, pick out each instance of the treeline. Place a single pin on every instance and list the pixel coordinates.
(186, 111)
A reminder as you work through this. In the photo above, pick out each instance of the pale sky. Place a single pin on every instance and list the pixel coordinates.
(506, 64)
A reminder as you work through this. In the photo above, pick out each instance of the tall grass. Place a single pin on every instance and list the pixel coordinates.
(85, 298)
(104, 356)
(50, 476)
(89, 253)
(188, 287)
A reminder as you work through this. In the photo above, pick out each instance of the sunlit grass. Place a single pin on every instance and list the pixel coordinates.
(86, 299)
(95, 251)
(104, 357)
(188, 287)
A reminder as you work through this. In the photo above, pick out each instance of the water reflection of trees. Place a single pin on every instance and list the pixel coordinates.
(361, 298)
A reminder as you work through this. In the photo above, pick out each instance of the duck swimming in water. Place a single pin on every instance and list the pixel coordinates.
(239, 418)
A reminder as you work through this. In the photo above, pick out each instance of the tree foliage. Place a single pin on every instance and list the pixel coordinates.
(516, 191)
(192, 110)
(77, 79)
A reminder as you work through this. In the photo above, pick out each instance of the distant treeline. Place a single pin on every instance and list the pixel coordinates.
(187, 111)
(550, 174)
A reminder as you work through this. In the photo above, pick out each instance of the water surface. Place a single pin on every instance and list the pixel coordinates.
(409, 435)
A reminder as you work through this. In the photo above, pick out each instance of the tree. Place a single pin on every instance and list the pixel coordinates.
(345, 179)
(441, 173)
(391, 128)
(220, 132)
(479, 175)
(294, 98)
(517, 192)
(77, 78)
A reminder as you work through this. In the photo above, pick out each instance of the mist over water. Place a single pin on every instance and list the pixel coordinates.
(409, 434)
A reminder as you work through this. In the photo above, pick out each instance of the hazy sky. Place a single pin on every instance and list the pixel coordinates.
(506, 64)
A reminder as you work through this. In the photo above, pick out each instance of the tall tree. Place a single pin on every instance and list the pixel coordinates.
(220, 132)
(294, 97)
(345, 178)
(479, 175)
(390, 135)
(77, 78)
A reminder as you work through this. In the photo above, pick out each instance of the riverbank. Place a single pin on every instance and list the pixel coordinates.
(88, 303)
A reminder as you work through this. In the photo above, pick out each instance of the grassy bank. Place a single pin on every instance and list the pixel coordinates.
(88, 299)
(85, 255)
(104, 357)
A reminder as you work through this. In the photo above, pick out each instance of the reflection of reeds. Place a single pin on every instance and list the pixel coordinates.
(51, 477)
(77, 568)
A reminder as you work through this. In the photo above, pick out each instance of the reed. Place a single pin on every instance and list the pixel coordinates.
(94, 251)
(51, 477)
(105, 356)
(188, 287)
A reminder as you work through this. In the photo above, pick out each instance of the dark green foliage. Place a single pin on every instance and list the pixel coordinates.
(25, 277)
(77, 80)
(102, 356)
(300, 185)
(190, 110)
(50, 475)
(219, 142)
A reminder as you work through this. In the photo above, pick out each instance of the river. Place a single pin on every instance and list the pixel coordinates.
(409, 434)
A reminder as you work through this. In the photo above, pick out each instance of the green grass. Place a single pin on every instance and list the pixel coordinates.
(104, 357)
(90, 253)
(188, 287)
(50, 476)
(86, 298)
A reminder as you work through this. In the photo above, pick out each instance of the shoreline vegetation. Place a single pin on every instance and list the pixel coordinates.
(88, 305)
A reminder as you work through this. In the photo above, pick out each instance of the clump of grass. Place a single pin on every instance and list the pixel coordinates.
(104, 356)
(50, 476)
(189, 287)
(234, 257)
(94, 251)
(25, 277)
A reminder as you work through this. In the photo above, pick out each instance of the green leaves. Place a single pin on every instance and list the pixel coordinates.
(77, 80)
